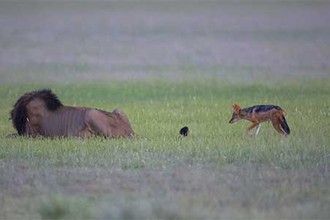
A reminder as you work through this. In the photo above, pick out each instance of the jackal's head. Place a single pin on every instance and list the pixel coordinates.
(236, 114)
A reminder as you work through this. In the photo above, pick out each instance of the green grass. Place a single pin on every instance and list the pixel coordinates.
(217, 171)
(168, 64)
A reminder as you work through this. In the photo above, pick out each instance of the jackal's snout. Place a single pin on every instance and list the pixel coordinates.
(234, 118)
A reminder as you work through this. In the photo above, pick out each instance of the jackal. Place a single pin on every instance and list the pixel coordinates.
(261, 113)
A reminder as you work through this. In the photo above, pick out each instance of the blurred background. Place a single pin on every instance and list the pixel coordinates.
(74, 41)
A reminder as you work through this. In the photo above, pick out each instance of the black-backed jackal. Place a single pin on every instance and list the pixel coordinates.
(261, 113)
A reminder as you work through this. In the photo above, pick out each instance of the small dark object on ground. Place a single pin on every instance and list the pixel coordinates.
(184, 131)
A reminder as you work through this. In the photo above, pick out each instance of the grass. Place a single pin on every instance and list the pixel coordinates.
(168, 64)
(217, 171)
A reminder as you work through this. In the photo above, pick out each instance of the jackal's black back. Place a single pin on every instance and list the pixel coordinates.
(261, 108)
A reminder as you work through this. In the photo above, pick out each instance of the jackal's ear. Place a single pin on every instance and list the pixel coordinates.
(236, 108)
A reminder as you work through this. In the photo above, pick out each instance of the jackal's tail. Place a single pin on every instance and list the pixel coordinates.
(284, 125)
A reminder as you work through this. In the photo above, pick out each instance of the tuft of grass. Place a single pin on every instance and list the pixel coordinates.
(60, 207)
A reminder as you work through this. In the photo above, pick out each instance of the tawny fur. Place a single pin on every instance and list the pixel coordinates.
(40, 113)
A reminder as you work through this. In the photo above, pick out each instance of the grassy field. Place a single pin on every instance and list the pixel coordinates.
(168, 65)
(216, 172)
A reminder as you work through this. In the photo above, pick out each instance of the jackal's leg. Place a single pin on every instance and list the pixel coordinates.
(277, 125)
(257, 129)
(254, 124)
